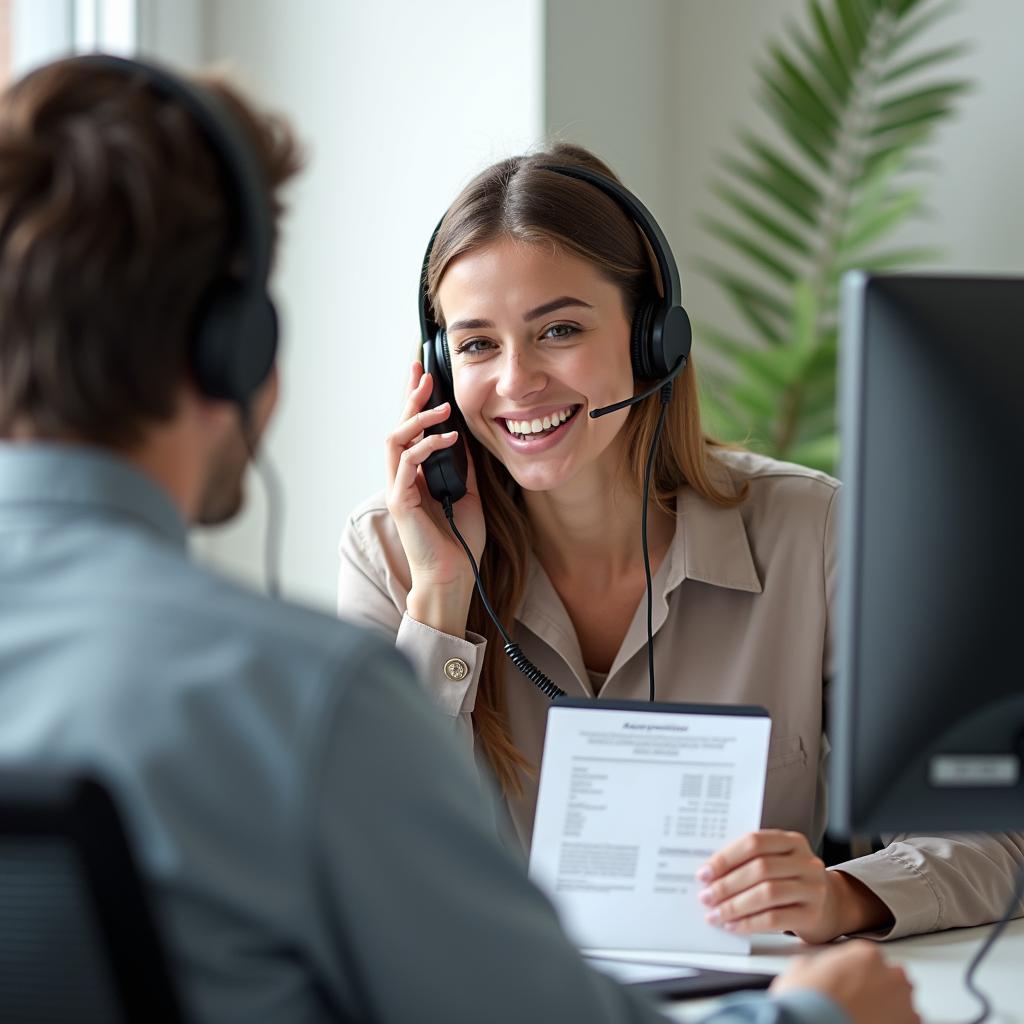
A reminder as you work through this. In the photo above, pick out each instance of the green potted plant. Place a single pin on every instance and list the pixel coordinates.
(854, 102)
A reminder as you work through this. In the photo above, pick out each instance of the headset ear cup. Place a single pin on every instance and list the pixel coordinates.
(443, 367)
(259, 346)
(671, 337)
(235, 343)
(446, 358)
(211, 345)
(640, 342)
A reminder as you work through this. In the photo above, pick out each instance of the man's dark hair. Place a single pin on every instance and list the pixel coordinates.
(113, 224)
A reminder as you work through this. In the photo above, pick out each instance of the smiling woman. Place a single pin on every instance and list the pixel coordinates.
(543, 287)
(537, 277)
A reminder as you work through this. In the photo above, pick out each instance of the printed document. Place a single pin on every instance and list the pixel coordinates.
(634, 798)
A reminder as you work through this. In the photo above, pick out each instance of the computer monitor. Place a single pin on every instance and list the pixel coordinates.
(927, 723)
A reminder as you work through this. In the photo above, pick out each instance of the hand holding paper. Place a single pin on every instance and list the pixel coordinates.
(768, 881)
(771, 881)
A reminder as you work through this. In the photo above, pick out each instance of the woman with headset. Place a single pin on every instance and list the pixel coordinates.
(542, 305)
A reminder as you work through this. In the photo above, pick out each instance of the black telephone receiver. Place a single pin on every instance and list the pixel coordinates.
(446, 471)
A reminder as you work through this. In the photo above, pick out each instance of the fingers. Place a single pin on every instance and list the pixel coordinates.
(881, 991)
(762, 869)
(420, 388)
(414, 418)
(767, 842)
(856, 977)
(775, 905)
(416, 374)
(409, 430)
(904, 991)
(765, 881)
(412, 458)
(796, 968)
(421, 385)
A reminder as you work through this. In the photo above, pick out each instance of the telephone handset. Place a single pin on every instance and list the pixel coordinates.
(446, 471)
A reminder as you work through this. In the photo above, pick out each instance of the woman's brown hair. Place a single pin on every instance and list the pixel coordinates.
(519, 199)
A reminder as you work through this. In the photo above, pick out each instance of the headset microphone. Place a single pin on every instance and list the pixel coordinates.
(636, 399)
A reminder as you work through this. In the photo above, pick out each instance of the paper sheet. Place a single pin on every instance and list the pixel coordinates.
(634, 797)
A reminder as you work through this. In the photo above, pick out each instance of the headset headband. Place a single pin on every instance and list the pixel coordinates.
(244, 189)
(642, 216)
(428, 325)
(626, 201)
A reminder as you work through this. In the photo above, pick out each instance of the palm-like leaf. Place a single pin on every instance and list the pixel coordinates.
(854, 104)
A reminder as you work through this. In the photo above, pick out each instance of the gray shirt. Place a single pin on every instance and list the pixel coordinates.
(317, 843)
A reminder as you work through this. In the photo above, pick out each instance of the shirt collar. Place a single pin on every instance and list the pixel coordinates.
(711, 543)
(44, 474)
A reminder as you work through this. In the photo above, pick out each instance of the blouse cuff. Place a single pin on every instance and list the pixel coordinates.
(902, 884)
(448, 666)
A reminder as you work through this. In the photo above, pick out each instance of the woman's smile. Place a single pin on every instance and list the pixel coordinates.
(538, 337)
(537, 431)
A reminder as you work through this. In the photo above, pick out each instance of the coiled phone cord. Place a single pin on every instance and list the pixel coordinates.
(512, 649)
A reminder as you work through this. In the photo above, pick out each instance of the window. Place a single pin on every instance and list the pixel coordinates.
(35, 31)
(5, 42)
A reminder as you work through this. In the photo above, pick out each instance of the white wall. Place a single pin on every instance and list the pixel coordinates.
(399, 103)
(609, 84)
(174, 32)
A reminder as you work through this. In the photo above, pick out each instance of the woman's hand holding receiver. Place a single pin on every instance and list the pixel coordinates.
(771, 881)
(441, 577)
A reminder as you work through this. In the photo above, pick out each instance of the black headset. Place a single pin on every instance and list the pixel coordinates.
(234, 336)
(234, 332)
(660, 335)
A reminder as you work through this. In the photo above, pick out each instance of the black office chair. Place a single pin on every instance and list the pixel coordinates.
(77, 942)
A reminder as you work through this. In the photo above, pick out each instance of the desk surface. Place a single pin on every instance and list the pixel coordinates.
(935, 964)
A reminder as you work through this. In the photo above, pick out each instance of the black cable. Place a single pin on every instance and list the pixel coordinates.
(666, 397)
(997, 930)
(275, 506)
(512, 649)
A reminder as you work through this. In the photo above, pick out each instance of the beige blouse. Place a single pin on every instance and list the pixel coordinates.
(742, 615)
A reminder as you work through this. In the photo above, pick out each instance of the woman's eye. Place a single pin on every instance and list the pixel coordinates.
(560, 331)
(473, 347)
